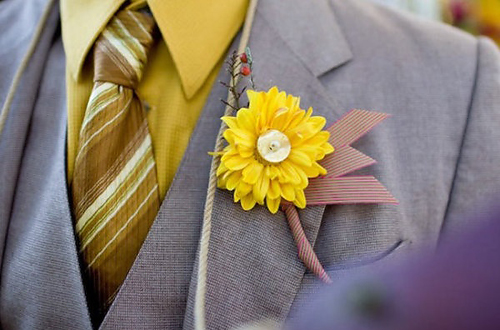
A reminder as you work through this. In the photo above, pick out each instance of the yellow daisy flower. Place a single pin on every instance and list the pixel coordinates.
(273, 149)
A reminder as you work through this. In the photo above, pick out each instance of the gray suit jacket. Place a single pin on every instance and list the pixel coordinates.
(439, 155)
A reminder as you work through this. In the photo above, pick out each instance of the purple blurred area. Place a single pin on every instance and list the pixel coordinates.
(458, 288)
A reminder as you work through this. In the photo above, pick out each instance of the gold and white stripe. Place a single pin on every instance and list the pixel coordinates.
(114, 189)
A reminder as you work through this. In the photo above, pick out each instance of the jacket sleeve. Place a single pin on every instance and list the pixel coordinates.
(477, 177)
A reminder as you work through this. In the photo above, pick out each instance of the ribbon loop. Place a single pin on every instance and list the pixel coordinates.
(353, 125)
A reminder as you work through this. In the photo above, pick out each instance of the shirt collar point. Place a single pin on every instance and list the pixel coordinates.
(190, 88)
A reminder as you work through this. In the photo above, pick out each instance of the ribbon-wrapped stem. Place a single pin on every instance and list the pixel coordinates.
(305, 250)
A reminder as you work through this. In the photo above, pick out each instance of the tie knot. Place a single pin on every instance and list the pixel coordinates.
(120, 52)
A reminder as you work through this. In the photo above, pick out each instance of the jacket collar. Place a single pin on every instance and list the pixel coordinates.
(310, 30)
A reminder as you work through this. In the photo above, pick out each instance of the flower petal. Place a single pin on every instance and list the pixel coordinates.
(321, 169)
(248, 202)
(311, 171)
(246, 119)
(231, 122)
(287, 192)
(273, 204)
(327, 148)
(237, 162)
(274, 190)
(260, 188)
(245, 151)
(318, 139)
(272, 172)
(297, 118)
(304, 181)
(221, 183)
(243, 137)
(233, 180)
(221, 169)
(242, 189)
(280, 119)
(251, 173)
(317, 123)
(310, 150)
(300, 198)
(300, 158)
(288, 173)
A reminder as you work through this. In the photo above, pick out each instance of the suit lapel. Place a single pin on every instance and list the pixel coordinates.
(253, 268)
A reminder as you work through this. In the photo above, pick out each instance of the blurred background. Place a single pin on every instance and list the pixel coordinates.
(479, 17)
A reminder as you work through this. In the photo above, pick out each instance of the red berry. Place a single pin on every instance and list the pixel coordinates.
(459, 11)
(245, 70)
(243, 57)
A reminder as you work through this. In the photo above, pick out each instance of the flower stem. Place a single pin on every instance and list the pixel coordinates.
(233, 68)
(305, 250)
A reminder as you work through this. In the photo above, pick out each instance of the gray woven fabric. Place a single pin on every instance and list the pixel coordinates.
(18, 22)
(438, 154)
(40, 283)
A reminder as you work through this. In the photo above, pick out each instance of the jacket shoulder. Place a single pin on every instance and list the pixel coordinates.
(398, 33)
(18, 22)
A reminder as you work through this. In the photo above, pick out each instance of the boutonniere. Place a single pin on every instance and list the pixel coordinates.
(278, 154)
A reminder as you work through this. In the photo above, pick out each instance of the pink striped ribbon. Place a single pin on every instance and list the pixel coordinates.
(348, 190)
(345, 160)
(305, 250)
(335, 188)
(353, 125)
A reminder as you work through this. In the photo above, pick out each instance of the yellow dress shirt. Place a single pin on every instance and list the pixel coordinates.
(181, 68)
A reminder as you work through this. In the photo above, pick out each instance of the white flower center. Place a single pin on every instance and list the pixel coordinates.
(273, 146)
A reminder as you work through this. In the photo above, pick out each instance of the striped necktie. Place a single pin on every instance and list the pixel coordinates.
(114, 188)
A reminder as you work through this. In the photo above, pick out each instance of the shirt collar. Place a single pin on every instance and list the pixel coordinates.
(197, 33)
